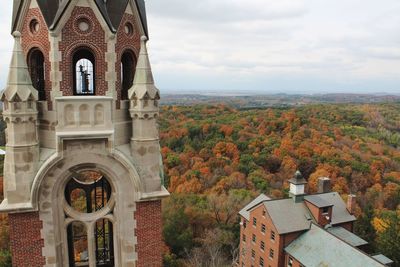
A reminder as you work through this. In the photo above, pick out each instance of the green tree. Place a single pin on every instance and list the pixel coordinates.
(178, 234)
(388, 240)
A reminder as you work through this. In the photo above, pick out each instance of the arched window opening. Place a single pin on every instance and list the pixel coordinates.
(128, 67)
(84, 72)
(104, 243)
(78, 245)
(36, 70)
(88, 192)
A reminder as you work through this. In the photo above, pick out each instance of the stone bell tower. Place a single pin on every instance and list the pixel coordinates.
(83, 172)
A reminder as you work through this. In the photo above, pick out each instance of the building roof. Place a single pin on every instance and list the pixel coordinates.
(383, 259)
(288, 216)
(318, 201)
(347, 236)
(340, 214)
(317, 248)
(112, 11)
(296, 216)
(245, 211)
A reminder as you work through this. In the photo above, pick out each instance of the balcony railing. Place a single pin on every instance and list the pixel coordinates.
(91, 115)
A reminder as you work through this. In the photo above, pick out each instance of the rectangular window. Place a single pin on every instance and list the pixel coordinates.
(244, 238)
(271, 253)
(272, 235)
(254, 221)
(290, 262)
(325, 210)
(264, 213)
(244, 223)
(262, 245)
(253, 254)
(261, 262)
(263, 228)
(254, 238)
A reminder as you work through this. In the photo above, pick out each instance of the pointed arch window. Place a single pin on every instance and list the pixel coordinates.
(89, 205)
(84, 72)
(128, 67)
(37, 70)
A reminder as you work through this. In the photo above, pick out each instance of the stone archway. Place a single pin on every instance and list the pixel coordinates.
(50, 186)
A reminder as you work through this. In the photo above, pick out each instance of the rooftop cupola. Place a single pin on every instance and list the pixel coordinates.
(297, 186)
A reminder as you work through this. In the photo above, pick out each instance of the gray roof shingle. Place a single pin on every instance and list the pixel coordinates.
(245, 211)
(347, 236)
(340, 213)
(112, 11)
(317, 201)
(383, 259)
(288, 216)
(317, 247)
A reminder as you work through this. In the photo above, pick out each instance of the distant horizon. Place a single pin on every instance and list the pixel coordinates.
(263, 93)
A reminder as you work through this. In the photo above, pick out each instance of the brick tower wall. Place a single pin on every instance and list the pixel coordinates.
(149, 234)
(25, 240)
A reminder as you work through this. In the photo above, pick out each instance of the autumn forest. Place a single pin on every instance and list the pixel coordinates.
(217, 158)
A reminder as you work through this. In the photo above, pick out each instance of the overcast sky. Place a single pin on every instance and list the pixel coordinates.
(292, 46)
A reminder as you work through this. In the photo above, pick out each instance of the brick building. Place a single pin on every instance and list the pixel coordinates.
(303, 231)
(82, 172)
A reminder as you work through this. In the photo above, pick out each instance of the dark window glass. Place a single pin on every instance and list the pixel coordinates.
(78, 244)
(37, 70)
(128, 67)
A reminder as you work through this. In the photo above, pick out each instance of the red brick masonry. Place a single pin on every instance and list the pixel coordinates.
(149, 234)
(26, 241)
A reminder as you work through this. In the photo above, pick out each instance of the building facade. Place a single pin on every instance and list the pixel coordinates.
(302, 231)
(83, 171)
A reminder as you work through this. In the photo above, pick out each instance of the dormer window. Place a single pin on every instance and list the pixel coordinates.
(84, 72)
(325, 210)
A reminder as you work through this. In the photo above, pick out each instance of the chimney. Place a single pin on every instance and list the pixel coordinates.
(351, 203)
(324, 185)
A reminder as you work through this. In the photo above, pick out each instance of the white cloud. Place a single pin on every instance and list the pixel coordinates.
(256, 44)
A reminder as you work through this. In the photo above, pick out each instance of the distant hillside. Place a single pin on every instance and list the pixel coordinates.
(275, 100)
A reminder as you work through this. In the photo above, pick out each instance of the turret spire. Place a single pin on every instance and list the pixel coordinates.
(19, 82)
(144, 82)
